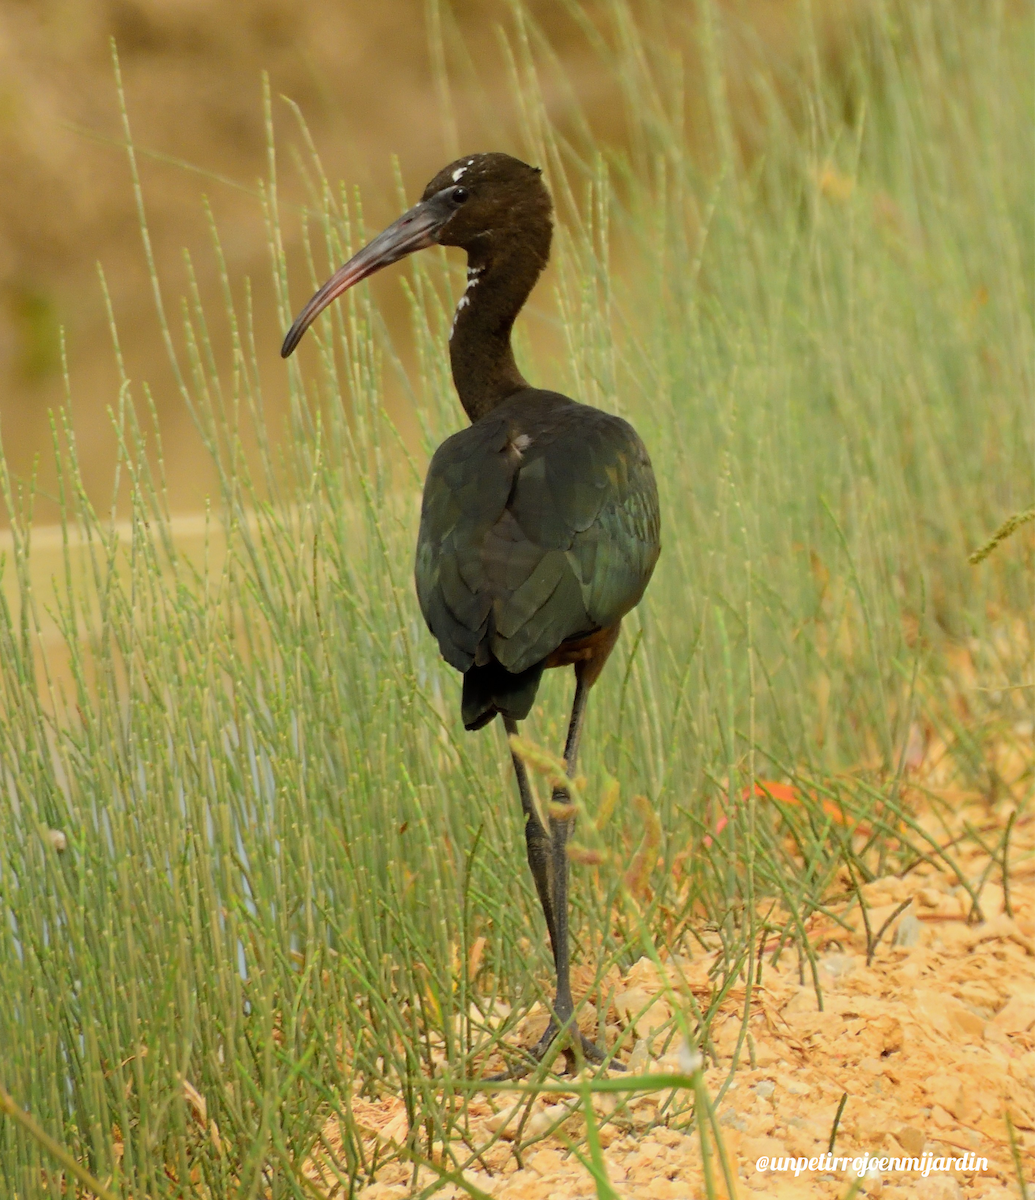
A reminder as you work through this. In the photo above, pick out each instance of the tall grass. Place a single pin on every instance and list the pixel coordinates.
(281, 849)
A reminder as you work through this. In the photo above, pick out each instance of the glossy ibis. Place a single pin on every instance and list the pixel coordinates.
(539, 526)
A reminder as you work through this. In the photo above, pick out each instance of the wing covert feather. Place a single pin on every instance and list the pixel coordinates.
(539, 523)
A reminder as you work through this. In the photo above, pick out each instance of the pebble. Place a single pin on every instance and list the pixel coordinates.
(729, 1116)
(938, 1187)
(506, 1120)
(640, 1057)
(1017, 1016)
(911, 1139)
(546, 1162)
(908, 932)
(837, 964)
(540, 1123)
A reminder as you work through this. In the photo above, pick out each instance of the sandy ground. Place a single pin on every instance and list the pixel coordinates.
(933, 1042)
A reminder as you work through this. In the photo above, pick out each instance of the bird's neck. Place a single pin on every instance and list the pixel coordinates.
(484, 370)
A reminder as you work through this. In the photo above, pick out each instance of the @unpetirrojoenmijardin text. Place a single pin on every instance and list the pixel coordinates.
(868, 1164)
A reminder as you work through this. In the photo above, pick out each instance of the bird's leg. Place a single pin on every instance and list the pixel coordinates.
(548, 859)
(562, 826)
(537, 842)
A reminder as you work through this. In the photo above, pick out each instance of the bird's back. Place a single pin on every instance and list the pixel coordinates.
(539, 524)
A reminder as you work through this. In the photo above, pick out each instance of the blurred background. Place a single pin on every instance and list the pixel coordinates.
(387, 91)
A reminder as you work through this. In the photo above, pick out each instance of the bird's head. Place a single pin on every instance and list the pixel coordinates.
(489, 198)
(482, 203)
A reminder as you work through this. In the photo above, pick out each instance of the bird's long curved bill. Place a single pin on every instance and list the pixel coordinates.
(414, 230)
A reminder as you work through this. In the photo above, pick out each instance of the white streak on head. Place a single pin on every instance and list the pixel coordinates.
(458, 172)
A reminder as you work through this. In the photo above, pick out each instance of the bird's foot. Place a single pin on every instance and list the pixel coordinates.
(577, 1046)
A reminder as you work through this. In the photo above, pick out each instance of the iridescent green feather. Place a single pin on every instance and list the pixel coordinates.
(539, 524)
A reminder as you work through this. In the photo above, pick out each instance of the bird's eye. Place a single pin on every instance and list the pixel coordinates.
(459, 195)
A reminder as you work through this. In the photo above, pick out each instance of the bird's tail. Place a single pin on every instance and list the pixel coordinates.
(492, 689)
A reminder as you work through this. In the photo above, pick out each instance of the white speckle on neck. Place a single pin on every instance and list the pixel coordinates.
(464, 301)
(472, 280)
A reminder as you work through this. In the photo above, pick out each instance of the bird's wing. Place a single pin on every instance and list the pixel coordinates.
(539, 523)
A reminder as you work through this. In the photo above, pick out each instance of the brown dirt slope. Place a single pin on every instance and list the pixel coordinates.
(932, 1042)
